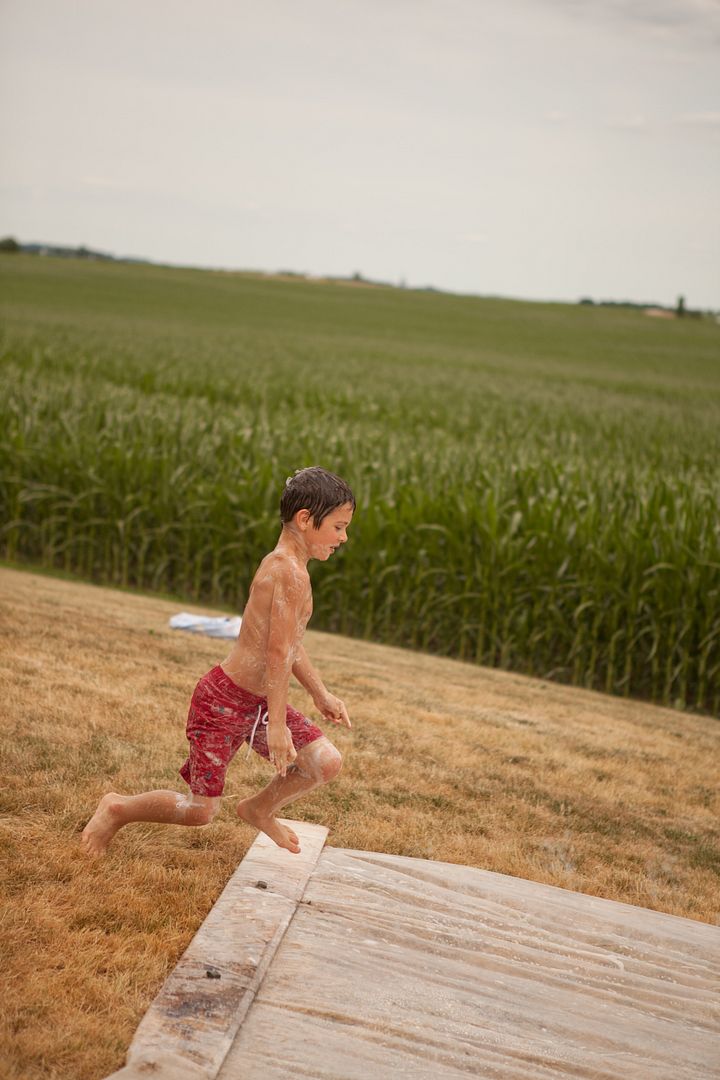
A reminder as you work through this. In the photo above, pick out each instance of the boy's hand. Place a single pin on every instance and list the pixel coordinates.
(280, 747)
(332, 708)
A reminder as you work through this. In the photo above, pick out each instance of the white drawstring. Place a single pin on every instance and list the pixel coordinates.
(258, 719)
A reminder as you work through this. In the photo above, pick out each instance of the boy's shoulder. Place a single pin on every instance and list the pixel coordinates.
(279, 568)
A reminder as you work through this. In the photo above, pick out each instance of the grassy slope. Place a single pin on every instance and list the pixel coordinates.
(445, 761)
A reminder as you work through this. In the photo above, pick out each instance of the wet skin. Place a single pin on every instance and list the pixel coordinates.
(279, 604)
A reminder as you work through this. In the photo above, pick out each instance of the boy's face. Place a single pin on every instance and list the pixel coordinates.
(323, 542)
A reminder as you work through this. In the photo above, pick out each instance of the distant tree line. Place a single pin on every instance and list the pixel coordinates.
(680, 309)
(9, 245)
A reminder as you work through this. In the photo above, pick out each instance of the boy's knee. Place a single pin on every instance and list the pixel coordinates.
(330, 763)
(319, 761)
(201, 812)
(203, 815)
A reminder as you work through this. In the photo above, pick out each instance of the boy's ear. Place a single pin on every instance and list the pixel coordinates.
(303, 519)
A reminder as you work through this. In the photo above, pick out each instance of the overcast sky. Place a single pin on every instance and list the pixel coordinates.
(547, 149)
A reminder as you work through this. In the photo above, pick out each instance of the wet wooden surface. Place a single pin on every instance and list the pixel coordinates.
(400, 967)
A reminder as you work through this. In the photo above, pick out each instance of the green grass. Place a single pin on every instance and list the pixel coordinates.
(538, 484)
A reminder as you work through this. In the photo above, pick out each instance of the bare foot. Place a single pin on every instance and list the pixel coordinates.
(291, 833)
(103, 825)
(283, 836)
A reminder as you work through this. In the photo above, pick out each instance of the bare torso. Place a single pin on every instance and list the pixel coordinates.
(246, 662)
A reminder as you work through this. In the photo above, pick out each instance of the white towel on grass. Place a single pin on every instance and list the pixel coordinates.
(227, 626)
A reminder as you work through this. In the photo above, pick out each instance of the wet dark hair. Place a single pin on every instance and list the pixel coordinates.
(316, 490)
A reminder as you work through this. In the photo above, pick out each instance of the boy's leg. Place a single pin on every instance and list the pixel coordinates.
(314, 765)
(171, 807)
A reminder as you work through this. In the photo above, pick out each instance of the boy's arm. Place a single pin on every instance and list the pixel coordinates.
(285, 604)
(331, 707)
(307, 675)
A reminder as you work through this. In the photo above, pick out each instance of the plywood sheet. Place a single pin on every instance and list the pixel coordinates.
(399, 967)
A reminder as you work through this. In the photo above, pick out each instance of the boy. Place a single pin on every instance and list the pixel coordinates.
(244, 699)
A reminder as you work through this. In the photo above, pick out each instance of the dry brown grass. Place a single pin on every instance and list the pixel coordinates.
(445, 761)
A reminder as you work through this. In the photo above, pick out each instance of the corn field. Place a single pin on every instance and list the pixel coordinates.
(537, 484)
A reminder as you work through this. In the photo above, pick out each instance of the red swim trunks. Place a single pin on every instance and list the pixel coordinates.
(222, 716)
